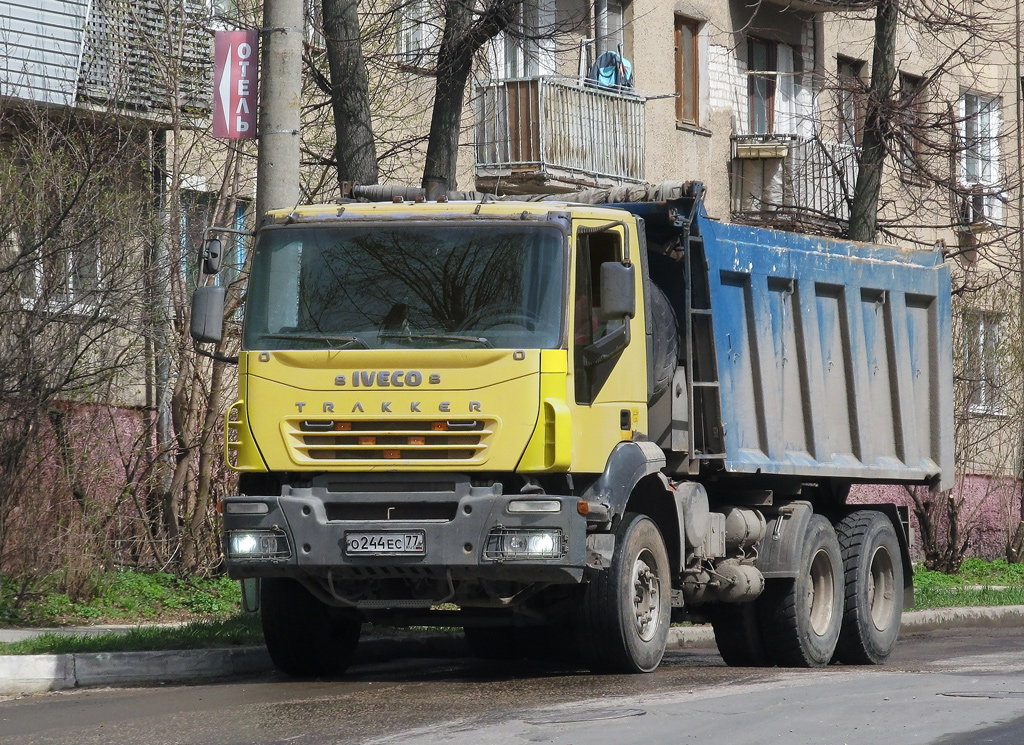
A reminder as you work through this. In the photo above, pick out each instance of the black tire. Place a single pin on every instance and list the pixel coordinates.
(626, 608)
(738, 635)
(801, 618)
(873, 569)
(305, 638)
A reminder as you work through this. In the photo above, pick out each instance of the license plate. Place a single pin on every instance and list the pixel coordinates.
(385, 543)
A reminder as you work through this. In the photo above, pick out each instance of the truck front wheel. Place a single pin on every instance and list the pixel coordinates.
(802, 617)
(626, 608)
(304, 637)
(874, 588)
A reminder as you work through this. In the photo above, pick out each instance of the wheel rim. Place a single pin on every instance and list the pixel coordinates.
(821, 593)
(881, 589)
(646, 596)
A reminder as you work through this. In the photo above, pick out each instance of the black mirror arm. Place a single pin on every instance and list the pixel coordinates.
(607, 346)
(213, 355)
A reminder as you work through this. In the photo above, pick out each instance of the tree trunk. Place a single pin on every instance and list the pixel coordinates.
(355, 150)
(864, 210)
(462, 37)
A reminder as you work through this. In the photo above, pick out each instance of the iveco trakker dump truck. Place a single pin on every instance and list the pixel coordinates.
(552, 421)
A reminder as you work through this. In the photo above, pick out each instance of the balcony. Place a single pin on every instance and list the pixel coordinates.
(792, 182)
(554, 135)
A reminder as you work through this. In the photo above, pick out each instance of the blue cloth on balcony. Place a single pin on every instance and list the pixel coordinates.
(611, 70)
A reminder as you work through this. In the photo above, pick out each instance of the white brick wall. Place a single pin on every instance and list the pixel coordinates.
(727, 87)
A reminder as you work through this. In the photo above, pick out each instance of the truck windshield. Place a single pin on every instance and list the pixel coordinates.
(406, 286)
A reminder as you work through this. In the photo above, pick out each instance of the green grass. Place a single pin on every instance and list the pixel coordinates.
(240, 630)
(973, 585)
(122, 597)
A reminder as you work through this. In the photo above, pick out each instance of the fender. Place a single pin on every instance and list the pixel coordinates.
(778, 555)
(628, 463)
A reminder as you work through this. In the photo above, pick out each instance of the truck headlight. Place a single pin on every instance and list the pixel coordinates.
(257, 544)
(510, 544)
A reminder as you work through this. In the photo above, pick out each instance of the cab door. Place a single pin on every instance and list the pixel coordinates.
(608, 398)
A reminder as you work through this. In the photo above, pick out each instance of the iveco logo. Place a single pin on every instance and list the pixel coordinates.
(387, 378)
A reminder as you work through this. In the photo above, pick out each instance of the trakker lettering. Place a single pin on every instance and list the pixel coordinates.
(386, 378)
(385, 406)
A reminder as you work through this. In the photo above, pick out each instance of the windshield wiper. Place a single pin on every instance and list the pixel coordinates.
(344, 340)
(482, 341)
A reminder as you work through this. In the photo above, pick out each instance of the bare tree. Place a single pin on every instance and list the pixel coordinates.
(355, 151)
(447, 39)
(864, 207)
(73, 191)
(467, 27)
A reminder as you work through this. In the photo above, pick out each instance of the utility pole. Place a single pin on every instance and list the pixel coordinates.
(277, 165)
(1016, 548)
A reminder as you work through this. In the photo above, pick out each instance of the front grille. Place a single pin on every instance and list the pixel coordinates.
(388, 440)
(440, 511)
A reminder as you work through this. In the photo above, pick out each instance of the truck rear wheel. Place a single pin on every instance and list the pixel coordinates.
(802, 617)
(738, 634)
(304, 637)
(873, 571)
(626, 608)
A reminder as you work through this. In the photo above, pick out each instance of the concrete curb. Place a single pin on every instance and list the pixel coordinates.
(37, 673)
(22, 674)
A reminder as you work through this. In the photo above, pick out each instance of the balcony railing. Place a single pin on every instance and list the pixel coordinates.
(549, 135)
(787, 179)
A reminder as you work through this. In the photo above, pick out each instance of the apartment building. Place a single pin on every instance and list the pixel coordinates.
(766, 103)
(105, 198)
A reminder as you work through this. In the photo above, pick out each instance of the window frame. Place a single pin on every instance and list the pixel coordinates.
(912, 92)
(978, 129)
(607, 39)
(687, 80)
(417, 36)
(982, 337)
(850, 108)
(770, 77)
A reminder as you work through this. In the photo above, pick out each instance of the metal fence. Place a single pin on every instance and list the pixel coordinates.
(559, 127)
(799, 176)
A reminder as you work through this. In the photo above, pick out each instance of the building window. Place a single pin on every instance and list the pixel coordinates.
(527, 48)
(612, 25)
(418, 35)
(61, 280)
(981, 332)
(850, 95)
(762, 57)
(522, 48)
(979, 159)
(912, 113)
(687, 71)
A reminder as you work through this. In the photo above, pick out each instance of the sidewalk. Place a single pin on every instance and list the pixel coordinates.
(21, 674)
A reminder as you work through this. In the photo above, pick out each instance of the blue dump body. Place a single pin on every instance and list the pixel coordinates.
(834, 359)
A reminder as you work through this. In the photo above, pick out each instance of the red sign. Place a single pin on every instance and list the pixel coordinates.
(234, 80)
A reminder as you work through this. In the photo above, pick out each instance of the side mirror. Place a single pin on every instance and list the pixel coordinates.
(212, 252)
(618, 291)
(207, 325)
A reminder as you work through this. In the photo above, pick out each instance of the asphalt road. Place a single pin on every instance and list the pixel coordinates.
(949, 686)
